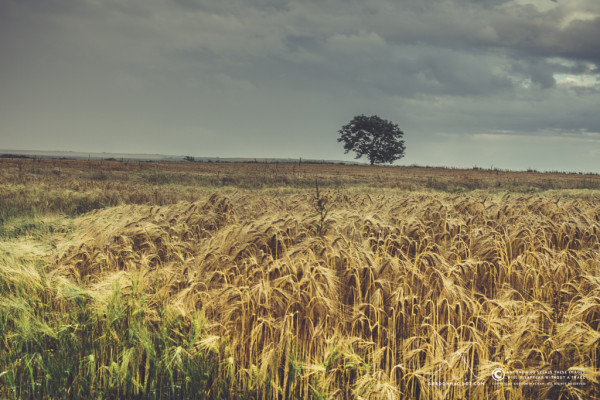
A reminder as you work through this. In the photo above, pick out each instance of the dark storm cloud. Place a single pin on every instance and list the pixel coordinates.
(275, 76)
(545, 35)
(518, 30)
(539, 70)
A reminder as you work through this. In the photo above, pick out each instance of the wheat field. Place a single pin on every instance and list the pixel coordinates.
(122, 283)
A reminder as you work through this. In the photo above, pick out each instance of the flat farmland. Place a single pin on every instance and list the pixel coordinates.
(296, 280)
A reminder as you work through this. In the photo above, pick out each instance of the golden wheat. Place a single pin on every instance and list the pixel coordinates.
(398, 288)
(402, 293)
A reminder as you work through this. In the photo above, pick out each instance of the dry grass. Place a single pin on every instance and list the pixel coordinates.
(239, 293)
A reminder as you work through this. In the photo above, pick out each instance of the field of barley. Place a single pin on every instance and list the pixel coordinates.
(290, 281)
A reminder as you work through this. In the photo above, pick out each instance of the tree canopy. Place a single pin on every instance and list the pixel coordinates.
(378, 139)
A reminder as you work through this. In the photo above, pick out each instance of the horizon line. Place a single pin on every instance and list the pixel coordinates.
(158, 157)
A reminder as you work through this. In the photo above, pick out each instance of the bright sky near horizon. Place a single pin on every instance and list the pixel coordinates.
(504, 83)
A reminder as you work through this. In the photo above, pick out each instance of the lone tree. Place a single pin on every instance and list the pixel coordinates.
(376, 138)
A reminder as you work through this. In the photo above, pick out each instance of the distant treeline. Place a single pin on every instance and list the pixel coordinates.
(14, 156)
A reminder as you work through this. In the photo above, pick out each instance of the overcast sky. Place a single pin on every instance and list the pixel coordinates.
(503, 83)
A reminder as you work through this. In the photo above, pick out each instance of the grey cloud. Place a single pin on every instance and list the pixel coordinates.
(519, 29)
(581, 40)
(463, 74)
(536, 70)
(280, 75)
(234, 6)
(525, 30)
(295, 43)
